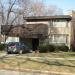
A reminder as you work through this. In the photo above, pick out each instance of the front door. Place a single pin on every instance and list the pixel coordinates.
(35, 43)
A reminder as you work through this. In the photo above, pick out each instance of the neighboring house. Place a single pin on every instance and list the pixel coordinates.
(72, 14)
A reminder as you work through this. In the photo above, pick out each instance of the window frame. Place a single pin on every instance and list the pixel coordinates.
(52, 38)
(52, 22)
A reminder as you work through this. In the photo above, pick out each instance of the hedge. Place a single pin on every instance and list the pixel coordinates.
(61, 48)
(43, 48)
(46, 48)
(53, 48)
(2, 47)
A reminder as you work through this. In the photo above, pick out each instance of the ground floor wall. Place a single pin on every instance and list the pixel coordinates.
(33, 43)
(57, 40)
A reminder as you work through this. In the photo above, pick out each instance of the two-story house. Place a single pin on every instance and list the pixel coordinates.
(56, 30)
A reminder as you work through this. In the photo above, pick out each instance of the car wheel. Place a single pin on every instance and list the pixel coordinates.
(20, 51)
(8, 52)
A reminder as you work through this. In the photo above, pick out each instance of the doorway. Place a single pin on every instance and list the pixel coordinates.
(35, 43)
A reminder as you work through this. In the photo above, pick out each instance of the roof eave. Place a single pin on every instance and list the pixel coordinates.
(46, 18)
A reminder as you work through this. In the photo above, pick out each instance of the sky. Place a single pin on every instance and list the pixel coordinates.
(65, 5)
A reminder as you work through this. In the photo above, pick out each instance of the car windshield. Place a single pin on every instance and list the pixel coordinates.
(13, 43)
(17, 44)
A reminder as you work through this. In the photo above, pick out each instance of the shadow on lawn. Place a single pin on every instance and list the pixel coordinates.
(3, 57)
(55, 62)
(72, 55)
(6, 60)
(44, 61)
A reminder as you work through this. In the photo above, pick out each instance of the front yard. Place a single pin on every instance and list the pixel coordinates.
(63, 62)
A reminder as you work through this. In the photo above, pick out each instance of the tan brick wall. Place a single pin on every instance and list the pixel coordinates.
(57, 30)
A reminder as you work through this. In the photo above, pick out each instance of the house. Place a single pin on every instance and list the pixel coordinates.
(58, 30)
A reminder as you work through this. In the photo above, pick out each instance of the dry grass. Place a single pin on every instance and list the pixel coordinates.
(21, 61)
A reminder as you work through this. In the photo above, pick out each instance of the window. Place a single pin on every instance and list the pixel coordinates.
(58, 39)
(58, 23)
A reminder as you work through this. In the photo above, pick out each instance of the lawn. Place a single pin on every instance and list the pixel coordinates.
(44, 62)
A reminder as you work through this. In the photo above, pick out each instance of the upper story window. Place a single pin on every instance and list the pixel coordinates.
(58, 23)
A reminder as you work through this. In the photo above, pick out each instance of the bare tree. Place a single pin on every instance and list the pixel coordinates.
(38, 8)
(52, 10)
(16, 9)
(11, 10)
(24, 6)
(7, 11)
(11, 13)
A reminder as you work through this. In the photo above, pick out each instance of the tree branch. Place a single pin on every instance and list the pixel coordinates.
(9, 11)
(2, 12)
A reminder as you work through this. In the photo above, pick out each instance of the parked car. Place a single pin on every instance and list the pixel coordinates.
(17, 47)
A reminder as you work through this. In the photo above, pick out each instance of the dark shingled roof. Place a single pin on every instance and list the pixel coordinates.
(29, 31)
(46, 18)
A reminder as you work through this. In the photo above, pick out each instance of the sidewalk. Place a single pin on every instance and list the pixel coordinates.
(47, 58)
(32, 72)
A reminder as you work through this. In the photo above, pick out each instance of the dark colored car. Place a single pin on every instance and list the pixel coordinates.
(17, 47)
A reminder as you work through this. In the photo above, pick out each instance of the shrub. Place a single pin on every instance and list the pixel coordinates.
(43, 48)
(2, 46)
(61, 48)
(46, 48)
(51, 48)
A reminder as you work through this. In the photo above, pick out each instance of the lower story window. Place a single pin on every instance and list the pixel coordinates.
(58, 39)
